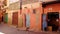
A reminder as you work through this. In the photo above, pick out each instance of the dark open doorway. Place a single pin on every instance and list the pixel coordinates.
(53, 20)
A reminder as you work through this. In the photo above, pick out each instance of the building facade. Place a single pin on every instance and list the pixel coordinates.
(33, 14)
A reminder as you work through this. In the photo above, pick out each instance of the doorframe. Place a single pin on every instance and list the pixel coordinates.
(5, 17)
(42, 21)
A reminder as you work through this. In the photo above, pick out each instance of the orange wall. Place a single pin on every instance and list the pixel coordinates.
(33, 24)
(37, 26)
(49, 8)
(52, 8)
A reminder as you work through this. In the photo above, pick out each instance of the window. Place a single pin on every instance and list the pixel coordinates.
(34, 11)
(5, 2)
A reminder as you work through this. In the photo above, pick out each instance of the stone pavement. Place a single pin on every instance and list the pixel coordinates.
(10, 30)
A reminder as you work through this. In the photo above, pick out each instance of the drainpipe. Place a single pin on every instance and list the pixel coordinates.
(20, 6)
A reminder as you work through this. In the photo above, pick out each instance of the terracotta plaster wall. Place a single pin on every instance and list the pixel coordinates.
(34, 24)
(52, 8)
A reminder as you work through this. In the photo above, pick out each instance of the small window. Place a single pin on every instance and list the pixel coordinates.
(5, 2)
(34, 11)
(25, 7)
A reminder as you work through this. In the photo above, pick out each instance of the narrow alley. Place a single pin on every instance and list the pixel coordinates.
(29, 16)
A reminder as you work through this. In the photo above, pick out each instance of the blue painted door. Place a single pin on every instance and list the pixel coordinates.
(44, 21)
(27, 20)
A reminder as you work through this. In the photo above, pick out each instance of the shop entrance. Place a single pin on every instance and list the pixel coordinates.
(53, 20)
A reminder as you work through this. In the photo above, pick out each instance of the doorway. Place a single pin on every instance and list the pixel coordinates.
(44, 26)
(27, 21)
(53, 20)
(15, 19)
(5, 18)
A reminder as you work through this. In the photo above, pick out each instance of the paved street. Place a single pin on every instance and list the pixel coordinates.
(10, 30)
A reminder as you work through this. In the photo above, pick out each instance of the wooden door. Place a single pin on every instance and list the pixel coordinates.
(15, 18)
